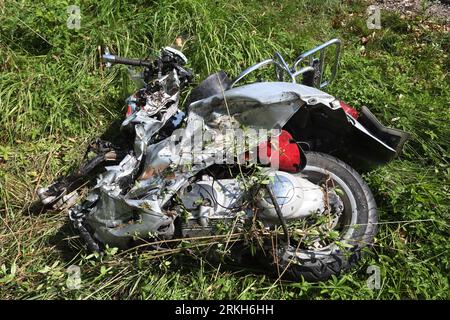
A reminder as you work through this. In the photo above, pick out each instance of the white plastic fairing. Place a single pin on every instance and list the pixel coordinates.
(176, 52)
(296, 196)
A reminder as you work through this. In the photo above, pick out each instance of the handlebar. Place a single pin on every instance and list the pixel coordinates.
(121, 60)
(169, 60)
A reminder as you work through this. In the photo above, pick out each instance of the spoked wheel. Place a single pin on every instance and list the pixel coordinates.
(354, 227)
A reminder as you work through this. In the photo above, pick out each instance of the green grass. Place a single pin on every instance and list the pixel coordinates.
(54, 97)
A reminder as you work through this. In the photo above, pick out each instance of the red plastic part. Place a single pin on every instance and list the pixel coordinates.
(129, 112)
(288, 150)
(349, 110)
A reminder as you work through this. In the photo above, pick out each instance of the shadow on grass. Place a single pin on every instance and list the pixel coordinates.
(66, 242)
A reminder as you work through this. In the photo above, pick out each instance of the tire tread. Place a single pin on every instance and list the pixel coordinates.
(336, 263)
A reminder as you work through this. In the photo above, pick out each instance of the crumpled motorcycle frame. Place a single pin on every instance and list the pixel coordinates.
(132, 198)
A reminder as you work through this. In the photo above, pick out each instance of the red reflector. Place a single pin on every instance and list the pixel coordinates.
(128, 111)
(349, 110)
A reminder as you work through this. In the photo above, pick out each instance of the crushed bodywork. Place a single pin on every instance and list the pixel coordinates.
(129, 198)
(135, 195)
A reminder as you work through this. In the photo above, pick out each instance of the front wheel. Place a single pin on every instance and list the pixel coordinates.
(354, 228)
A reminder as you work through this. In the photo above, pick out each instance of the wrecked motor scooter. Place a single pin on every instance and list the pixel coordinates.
(249, 163)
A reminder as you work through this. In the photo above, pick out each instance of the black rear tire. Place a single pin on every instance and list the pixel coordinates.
(321, 264)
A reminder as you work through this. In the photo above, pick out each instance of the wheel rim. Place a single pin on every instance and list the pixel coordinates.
(347, 220)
